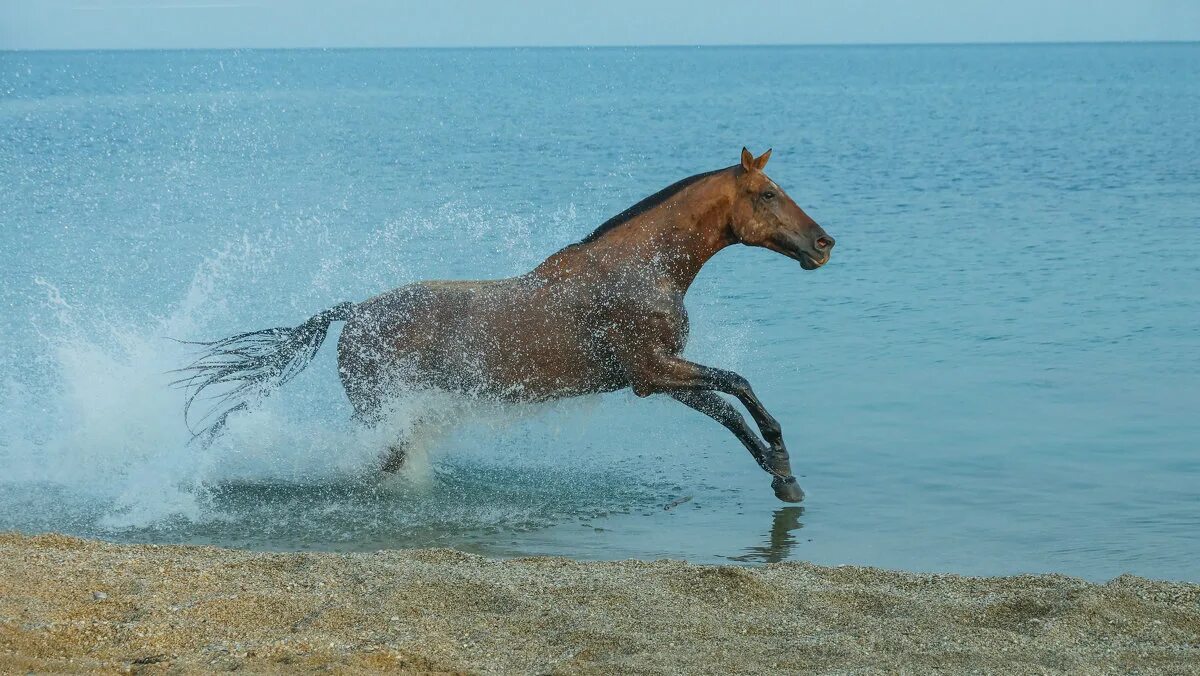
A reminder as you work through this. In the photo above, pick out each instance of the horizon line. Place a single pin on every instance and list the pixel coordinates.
(731, 45)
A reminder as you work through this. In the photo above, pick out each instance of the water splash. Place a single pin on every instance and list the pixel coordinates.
(94, 440)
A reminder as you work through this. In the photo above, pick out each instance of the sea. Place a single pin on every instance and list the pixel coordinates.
(997, 373)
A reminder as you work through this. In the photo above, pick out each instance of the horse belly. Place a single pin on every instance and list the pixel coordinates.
(523, 347)
(535, 359)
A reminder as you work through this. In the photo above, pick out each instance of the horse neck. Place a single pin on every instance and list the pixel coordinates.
(670, 243)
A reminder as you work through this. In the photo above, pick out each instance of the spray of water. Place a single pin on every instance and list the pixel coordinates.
(93, 439)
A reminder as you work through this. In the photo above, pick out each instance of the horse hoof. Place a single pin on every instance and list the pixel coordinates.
(787, 489)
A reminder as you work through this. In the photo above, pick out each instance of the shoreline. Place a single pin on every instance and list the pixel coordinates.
(70, 604)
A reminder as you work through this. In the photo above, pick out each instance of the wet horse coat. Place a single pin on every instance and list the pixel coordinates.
(597, 316)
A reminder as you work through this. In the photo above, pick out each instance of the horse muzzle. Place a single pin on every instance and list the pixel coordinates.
(810, 262)
(811, 254)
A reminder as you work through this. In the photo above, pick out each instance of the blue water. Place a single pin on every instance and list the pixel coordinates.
(998, 372)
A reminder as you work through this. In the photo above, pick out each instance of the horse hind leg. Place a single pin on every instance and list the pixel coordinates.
(367, 402)
(371, 394)
(369, 413)
(393, 462)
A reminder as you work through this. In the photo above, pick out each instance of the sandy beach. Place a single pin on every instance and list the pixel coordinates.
(79, 605)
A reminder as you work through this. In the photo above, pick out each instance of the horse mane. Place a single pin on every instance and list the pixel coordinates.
(646, 205)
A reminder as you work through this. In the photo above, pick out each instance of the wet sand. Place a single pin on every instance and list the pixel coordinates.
(68, 604)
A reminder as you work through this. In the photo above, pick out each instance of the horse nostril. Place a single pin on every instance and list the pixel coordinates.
(824, 243)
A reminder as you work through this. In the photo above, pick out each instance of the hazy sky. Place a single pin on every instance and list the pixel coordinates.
(81, 24)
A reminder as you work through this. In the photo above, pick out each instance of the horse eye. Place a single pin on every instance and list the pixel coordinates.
(768, 195)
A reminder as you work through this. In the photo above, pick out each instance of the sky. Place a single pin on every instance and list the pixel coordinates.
(154, 24)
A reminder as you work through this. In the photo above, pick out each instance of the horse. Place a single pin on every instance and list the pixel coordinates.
(600, 315)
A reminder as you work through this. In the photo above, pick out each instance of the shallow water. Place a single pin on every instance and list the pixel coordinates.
(997, 373)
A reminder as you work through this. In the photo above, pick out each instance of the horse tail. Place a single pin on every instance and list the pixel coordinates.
(252, 365)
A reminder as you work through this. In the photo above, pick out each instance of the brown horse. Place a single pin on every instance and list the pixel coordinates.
(600, 315)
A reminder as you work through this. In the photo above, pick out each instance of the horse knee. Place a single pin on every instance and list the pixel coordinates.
(738, 385)
(771, 430)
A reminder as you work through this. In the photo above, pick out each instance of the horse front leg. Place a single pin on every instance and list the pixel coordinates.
(673, 374)
(712, 405)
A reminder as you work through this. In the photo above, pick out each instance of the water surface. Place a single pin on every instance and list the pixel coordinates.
(997, 373)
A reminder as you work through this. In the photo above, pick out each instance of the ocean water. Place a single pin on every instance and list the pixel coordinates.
(998, 372)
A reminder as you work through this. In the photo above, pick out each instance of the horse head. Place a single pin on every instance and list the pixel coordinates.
(764, 215)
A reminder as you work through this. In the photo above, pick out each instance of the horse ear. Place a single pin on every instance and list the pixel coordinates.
(747, 159)
(762, 159)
